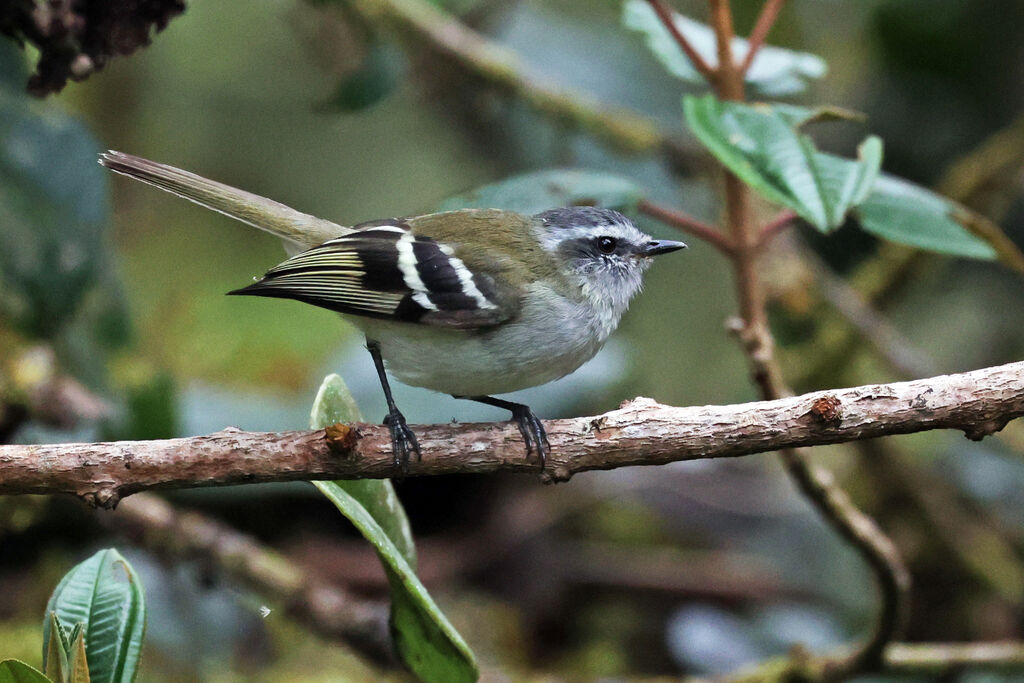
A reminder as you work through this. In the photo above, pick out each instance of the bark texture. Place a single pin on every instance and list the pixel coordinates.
(640, 432)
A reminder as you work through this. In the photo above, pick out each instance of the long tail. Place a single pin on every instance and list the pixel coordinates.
(300, 229)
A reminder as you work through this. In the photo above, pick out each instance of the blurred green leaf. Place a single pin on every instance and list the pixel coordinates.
(374, 79)
(775, 71)
(53, 208)
(14, 671)
(798, 116)
(104, 593)
(424, 638)
(901, 211)
(334, 404)
(428, 644)
(542, 190)
(13, 69)
(761, 145)
(150, 410)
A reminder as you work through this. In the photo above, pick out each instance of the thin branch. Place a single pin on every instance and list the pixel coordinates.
(940, 657)
(34, 388)
(325, 608)
(988, 180)
(765, 21)
(909, 658)
(729, 80)
(688, 224)
(665, 15)
(893, 347)
(782, 220)
(437, 30)
(815, 482)
(641, 432)
(818, 485)
(972, 537)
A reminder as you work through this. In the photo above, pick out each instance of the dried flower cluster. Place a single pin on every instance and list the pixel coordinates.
(77, 37)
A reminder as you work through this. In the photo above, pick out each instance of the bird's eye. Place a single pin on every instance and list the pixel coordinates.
(606, 244)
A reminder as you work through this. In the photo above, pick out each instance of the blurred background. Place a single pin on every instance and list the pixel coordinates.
(113, 297)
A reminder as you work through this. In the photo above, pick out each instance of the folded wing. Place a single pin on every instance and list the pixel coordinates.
(384, 270)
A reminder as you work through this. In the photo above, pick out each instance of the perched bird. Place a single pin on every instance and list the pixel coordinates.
(470, 303)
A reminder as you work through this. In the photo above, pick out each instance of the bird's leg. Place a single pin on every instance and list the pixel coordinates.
(403, 441)
(529, 425)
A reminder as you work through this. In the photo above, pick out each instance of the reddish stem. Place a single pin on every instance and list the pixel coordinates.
(729, 80)
(816, 483)
(665, 15)
(688, 224)
(765, 21)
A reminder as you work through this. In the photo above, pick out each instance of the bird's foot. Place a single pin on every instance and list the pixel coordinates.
(403, 442)
(533, 432)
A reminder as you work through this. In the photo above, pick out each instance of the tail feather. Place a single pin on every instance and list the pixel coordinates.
(300, 229)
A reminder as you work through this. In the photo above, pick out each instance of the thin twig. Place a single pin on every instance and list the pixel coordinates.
(729, 80)
(974, 539)
(894, 348)
(327, 609)
(816, 483)
(641, 432)
(939, 657)
(436, 30)
(910, 658)
(765, 21)
(688, 224)
(665, 15)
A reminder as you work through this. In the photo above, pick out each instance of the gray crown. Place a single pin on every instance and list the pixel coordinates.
(582, 217)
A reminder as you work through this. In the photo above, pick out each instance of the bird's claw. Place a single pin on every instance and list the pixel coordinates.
(403, 442)
(533, 433)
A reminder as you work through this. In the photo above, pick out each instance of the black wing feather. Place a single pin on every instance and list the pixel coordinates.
(369, 273)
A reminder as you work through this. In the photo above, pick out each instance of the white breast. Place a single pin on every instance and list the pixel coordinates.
(550, 338)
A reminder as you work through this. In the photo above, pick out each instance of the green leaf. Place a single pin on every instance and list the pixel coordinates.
(761, 145)
(104, 593)
(428, 644)
(542, 190)
(424, 638)
(901, 211)
(54, 213)
(55, 658)
(775, 71)
(15, 671)
(78, 662)
(845, 184)
(334, 404)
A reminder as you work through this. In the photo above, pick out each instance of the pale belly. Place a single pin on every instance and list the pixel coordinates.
(507, 358)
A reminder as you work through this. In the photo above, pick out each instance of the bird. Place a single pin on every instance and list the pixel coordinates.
(470, 303)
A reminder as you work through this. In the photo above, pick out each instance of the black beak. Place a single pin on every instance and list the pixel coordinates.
(655, 247)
